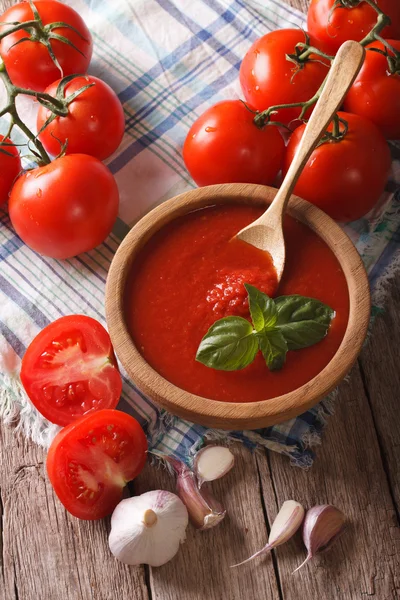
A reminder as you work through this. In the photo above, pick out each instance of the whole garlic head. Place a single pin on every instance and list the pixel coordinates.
(148, 529)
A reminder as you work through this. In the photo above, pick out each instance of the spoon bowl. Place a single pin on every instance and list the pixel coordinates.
(266, 232)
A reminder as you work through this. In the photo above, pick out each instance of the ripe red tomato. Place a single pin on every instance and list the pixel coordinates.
(333, 27)
(267, 78)
(95, 122)
(345, 178)
(91, 460)
(10, 167)
(225, 146)
(66, 207)
(29, 63)
(70, 369)
(375, 94)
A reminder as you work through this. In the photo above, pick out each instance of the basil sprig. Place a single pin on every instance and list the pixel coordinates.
(278, 325)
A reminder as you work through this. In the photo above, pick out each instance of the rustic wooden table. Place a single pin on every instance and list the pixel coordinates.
(48, 555)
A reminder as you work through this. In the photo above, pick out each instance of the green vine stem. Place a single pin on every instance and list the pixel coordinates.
(37, 32)
(12, 92)
(58, 105)
(263, 118)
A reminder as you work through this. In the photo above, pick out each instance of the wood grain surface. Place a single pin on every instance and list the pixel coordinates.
(45, 554)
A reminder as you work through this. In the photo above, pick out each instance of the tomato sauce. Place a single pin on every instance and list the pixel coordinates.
(191, 273)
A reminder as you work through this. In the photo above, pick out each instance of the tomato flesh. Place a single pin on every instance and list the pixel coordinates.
(91, 460)
(70, 369)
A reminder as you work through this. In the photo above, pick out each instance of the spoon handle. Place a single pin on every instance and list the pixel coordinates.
(344, 69)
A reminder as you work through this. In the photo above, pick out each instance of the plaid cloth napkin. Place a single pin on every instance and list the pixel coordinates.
(168, 60)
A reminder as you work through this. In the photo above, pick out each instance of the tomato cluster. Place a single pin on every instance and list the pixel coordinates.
(239, 141)
(69, 205)
(61, 208)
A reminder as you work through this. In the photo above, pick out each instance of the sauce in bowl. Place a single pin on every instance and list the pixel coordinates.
(191, 273)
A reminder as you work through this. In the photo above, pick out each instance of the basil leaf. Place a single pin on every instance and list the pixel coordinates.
(273, 347)
(262, 308)
(302, 321)
(229, 345)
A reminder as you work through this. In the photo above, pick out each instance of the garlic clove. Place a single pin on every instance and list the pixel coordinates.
(204, 510)
(148, 529)
(287, 522)
(285, 525)
(322, 526)
(212, 462)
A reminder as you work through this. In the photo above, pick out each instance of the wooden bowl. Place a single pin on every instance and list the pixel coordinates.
(234, 415)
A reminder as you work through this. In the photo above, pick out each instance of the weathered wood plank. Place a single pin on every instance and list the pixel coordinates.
(48, 554)
(201, 568)
(348, 473)
(381, 372)
(299, 4)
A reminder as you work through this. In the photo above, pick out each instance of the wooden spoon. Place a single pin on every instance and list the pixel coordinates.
(266, 232)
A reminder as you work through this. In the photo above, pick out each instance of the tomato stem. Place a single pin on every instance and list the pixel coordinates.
(335, 127)
(381, 22)
(262, 118)
(12, 92)
(18, 26)
(307, 50)
(393, 61)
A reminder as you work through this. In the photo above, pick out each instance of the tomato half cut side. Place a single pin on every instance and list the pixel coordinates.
(91, 460)
(70, 369)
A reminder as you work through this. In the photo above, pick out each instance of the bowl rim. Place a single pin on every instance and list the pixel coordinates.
(237, 415)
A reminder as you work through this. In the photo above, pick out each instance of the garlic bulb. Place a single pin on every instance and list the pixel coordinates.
(148, 529)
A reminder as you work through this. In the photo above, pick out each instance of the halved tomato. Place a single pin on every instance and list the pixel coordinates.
(70, 369)
(90, 461)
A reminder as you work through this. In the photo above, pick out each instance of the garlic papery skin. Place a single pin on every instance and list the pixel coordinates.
(285, 525)
(148, 529)
(212, 462)
(322, 526)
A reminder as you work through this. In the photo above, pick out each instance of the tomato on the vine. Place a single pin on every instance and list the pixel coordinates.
(268, 78)
(69, 369)
(332, 25)
(10, 167)
(94, 124)
(91, 460)
(28, 62)
(345, 178)
(225, 146)
(66, 207)
(375, 94)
